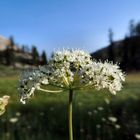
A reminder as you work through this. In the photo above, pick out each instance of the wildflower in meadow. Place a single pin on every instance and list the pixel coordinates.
(107, 101)
(137, 136)
(95, 111)
(89, 113)
(3, 103)
(71, 70)
(112, 119)
(13, 120)
(100, 108)
(117, 126)
(18, 114)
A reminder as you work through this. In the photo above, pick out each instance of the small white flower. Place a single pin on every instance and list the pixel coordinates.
(13, 120)
(18, 114)
(107, 101)
(22, 100)
(137, 136)
(45, 81)
(100, 108)
(30, 78)
(95, 111)
(112, 119)
(89, 113)
(117, 126)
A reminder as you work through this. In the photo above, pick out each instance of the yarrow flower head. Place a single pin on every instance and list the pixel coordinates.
(3, 103)
(72, 70)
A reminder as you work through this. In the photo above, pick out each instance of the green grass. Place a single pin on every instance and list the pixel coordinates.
(6, 71)
(45, 115)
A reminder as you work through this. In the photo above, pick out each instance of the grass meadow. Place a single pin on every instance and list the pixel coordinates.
(97, 115)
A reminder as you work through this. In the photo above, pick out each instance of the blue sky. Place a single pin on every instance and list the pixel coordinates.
(54, 24)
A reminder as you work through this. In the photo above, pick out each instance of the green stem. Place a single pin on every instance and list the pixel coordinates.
(70, 115)
(50, 91)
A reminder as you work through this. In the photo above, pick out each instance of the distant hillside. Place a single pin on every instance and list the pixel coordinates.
(3, 43)
(11, 54)
(19, 56)
(126, 52)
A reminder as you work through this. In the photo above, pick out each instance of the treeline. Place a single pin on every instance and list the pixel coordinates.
(126, 52)
(21, 55)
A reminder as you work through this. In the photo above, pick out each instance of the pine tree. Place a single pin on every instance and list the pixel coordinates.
(131, 28)
(110, 48)
(35, 55)
(43, 58)
(125, 58)
(7, 56)
(137, 29)
(9, 52)
(12, 43)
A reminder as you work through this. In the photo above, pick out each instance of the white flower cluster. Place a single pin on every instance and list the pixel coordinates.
(73, 69)
(69, 67)
(107, 75)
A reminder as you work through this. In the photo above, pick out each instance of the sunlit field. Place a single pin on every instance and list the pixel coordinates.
(97, 114)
